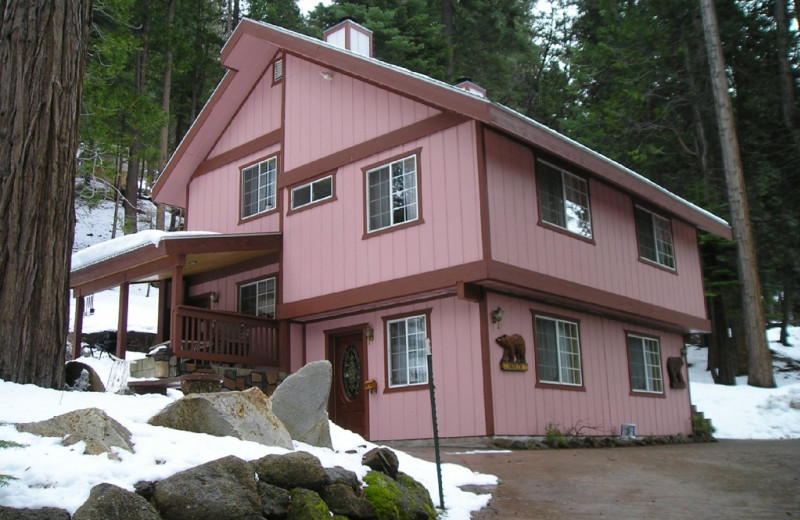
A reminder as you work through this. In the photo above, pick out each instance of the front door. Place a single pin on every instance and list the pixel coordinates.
(348, 398)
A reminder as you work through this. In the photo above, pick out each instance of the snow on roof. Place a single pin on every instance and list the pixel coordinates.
(124, 244)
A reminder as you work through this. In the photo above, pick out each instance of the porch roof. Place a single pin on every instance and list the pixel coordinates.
(150, 256)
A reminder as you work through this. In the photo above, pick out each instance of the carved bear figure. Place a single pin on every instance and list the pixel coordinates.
(675, 373)
(513, 348)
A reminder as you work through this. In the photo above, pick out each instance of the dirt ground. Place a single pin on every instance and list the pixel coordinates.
(724, 480)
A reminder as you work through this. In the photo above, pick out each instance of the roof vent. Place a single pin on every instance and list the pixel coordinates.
(350, 35)
(465, 83)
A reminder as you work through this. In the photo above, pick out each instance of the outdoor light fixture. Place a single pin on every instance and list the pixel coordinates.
(497, 316)
(369, 333)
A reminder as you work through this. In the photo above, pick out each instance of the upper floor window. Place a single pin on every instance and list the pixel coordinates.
(564, 199)
(654, 234)
(644, 361)
(407, 351)
(312, 192)
(258, 298)
(277, 70)
(558, 351)
(258, 187)
(392, 194)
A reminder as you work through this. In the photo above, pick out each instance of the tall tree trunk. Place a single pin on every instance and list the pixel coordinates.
(759, 366)
(42, 59)
(787, 81)
(165, 102)
(785, 312)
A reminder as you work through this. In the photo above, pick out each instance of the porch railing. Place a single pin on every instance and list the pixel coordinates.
(226, 337)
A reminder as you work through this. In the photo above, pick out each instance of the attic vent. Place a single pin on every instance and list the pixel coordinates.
(350, 35)
(465, 83)
(277, 71)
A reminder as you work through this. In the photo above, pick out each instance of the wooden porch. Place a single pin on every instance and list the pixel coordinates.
(176, 261)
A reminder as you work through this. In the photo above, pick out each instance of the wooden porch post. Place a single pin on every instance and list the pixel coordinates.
(122, 322)
(284, 348)
(176, 298)
(80, 305)
(162, 309)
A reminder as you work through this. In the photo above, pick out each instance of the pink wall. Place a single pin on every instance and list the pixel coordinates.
(214, 200)
(458, 373)
(227, 289)
(259, 114)
(324, 248)
(329, 115)
(522, 409)
(611, 263)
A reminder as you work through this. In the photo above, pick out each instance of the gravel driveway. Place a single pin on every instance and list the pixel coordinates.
(723, 480)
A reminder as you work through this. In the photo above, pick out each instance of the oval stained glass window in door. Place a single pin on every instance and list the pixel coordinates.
(351, 372)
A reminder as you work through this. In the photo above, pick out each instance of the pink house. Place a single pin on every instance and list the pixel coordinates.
(363, 209)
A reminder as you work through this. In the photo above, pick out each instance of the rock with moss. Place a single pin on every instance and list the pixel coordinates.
(274, 501)
(401, 499)
(307, 505)
(342, 500)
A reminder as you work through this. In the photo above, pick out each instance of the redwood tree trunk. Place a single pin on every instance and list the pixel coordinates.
(759, 357)
(42, 58)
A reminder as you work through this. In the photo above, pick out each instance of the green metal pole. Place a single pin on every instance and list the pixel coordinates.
(435, 425)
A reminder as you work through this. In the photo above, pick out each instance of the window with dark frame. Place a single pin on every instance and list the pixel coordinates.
(407, 351)
(558, 351)
(654, 234)
(392, 194)
(564, 199)
(258, 298)
(644, 360)
(312, 192)
(258, 187)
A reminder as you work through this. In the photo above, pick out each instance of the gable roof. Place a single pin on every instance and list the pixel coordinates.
(253, 45)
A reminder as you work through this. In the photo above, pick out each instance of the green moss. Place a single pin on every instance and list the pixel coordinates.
(403, 499)
(307, 505)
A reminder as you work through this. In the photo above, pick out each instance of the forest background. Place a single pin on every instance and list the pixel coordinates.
(627, 78)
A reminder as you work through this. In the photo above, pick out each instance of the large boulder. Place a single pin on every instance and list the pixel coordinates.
(223, 488)
(100, 432)
(297, 469)
(245, 415)
(44, 513)
(307, 505)
(301, 403)
(400, 499)
(114, 503)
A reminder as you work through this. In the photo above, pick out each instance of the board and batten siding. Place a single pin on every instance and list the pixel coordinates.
(454, 331)
(520, 408)
(328, 111)
(260, 114)
(227, 288)
(215, 200)
(611, 263)
(325, 250)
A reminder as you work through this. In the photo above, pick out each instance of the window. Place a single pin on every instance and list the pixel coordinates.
(644, 361)
(258, 187)
(558, 352)
(408, 351)
(654, 234)
(258, 298)
(564, 199)
(312, 192)
(392, 194)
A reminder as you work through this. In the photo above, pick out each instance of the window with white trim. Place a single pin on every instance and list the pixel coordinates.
(654, 234)
(392, 194)
(312, 192)
(258, 298)
(564, 199)
(644, 361)
(558, 351)
(407, 351)
(258, 187)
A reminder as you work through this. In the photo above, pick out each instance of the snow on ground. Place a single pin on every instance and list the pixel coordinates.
(746, 412)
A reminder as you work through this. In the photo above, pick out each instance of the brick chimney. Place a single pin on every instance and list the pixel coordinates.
(350, 35)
